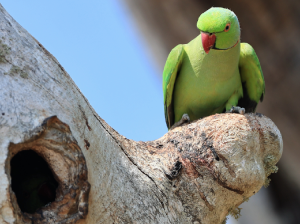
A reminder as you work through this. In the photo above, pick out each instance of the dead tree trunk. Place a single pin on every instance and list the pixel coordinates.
(197, 173)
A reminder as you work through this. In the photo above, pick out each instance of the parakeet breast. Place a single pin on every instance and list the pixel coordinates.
(206, 82)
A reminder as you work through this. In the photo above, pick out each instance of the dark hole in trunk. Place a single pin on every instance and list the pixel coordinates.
(32, 181)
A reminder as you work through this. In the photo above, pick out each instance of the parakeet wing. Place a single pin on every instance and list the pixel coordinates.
(171, 70)
(252, 78)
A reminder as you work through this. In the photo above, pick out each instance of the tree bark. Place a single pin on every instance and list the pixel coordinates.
(196, 173)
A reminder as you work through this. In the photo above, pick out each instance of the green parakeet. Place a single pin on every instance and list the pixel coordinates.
(212, 73)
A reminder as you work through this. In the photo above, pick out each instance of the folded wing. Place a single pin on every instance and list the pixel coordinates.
(252, 78)
(172, 68)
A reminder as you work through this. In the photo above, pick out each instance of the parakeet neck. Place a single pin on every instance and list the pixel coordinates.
(219, 64)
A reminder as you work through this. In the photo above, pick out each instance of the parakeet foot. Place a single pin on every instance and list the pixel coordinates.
(184, 119)
(239, 110)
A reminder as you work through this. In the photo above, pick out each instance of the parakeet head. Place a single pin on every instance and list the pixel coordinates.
(220, 29)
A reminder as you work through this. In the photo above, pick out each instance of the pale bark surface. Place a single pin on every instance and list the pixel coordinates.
(194, 174)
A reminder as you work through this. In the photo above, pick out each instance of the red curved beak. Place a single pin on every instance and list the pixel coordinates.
(208, 41)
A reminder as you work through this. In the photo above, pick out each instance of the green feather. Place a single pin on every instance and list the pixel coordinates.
(169, 76)
(252, 78)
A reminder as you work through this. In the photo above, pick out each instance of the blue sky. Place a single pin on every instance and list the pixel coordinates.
(98, 45)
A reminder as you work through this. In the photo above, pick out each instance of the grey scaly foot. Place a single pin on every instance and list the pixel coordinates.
(239, 110)
(184, 119)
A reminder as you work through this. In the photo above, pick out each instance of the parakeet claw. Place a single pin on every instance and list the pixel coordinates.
(184, 119)
(239, 110)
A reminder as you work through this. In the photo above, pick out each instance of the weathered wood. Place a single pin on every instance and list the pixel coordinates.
(194, 174)
(54, 142)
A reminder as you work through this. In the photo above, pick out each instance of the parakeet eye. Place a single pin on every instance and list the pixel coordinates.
(227, 28)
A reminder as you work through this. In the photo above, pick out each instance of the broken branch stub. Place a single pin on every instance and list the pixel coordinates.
(196, 173)
(211, 166)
